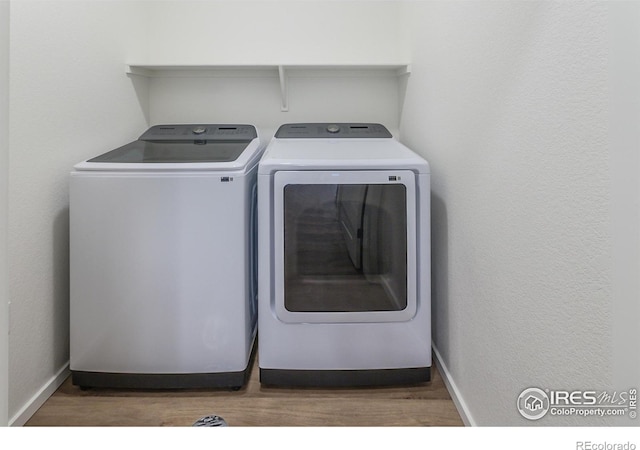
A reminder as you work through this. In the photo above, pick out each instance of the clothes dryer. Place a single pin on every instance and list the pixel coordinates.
(344, 260)
(163, 260)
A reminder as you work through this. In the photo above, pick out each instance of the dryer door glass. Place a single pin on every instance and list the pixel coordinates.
(345, 247)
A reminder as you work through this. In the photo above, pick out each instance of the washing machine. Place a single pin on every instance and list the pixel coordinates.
(344, 296)
(164, 260)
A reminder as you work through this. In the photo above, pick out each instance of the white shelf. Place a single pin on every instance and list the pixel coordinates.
(282, 71)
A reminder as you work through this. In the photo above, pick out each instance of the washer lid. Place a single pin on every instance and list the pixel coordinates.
(194, 151)
(183, 147)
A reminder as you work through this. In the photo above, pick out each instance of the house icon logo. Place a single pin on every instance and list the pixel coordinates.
(533, 403)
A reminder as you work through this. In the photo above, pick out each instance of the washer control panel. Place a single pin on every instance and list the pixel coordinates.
(332, 130)
(207, 132)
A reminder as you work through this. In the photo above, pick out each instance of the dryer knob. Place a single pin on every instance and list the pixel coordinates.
(333, 128)
(199, 130)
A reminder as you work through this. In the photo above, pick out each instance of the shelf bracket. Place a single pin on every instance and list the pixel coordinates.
(283, 89)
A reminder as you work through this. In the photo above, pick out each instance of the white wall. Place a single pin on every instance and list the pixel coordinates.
(70, 100)
(313, 96)
(4, 175)
(278, 33)
(509, 103)
(273, 32)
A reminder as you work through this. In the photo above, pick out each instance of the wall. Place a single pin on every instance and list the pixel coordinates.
(273, 32)
(509, 103)
(278, 33)
(70, 100)
(314, 96)
(4, 175)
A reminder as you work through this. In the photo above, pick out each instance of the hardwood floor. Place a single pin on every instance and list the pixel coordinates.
(428, 404)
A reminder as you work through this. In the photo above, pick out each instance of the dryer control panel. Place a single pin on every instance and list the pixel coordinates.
(332, 130)
(200, 132)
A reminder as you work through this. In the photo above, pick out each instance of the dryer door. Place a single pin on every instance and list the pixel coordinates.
(345, 246)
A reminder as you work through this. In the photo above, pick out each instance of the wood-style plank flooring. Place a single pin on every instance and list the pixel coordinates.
(254, 405)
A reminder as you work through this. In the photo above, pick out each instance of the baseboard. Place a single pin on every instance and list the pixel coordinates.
(456, 396)
(46, 391)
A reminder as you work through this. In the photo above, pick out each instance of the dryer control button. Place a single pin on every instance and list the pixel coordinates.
(199, 130)
(333, 128)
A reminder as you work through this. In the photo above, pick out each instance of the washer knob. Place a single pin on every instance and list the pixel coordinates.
(333, 128)
(199, 130)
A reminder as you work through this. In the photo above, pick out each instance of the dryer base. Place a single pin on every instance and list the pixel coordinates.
(344, 378)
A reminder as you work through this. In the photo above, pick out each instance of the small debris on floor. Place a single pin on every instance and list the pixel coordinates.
(210, 421)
